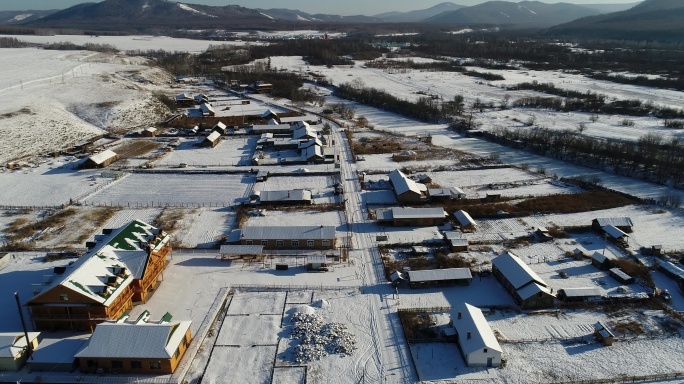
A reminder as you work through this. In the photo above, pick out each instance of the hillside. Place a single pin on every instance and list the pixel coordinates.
(297, 15)
(523, 14)
(661, 20)
(17, 17)
(418, 15)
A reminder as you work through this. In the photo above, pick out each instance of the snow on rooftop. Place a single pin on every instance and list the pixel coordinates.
(103, 156)
(464, 218)
(440, 274)
(288, 232)
(468, 319)
(13, 343)
(515, 270)
(402, 183)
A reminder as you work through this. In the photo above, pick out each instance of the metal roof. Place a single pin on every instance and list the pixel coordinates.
(439, 274)
(220, 125)
(207, 108)
(620, 273)
(614, 232)
(304, 132)
(291, 195)
(531, 289)
(241, 249)
(445, 192)
(268, 113)
(473, 321)
(103, 156)
(296, 119)
(582, 292)
(213, 136)
(311, 152)
(316, 259)
(615, 221)
(464, 218)
(672, 269)
(12, 343)
(601, 257)
(145, 340)
(515, 270)
(402, 184)
(418, 213)
(306, 232)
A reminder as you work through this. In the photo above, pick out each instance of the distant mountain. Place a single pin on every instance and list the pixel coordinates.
(608, 8)
(523, 14)
(149, 14)
(418, 15)
(17, 17)
(661, 20)
(297, 15)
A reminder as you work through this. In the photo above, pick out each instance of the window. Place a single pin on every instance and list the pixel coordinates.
(485, 350)
(155, 365)
(326, 243)
(295, 243)
(136, 364)
(64, 297)
(309, 243)
(280, 243)
(248, 242)
(117, 364)
(264, 243)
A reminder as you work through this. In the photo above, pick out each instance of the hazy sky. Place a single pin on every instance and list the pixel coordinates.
(338, 7)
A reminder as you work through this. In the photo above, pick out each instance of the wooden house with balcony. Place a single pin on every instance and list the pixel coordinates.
(124, 267)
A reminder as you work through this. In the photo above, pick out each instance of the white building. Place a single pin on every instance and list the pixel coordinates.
(475, 338)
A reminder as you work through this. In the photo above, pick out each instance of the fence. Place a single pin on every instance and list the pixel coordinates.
(628, 379)
(287, 288)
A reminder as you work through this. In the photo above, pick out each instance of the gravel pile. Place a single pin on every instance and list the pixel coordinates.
(319, 340)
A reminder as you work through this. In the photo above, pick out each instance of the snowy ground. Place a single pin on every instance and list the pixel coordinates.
(273, 217)
(230, 151)
(204, 227)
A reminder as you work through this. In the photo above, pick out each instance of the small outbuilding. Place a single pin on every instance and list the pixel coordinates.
(228, 252)
(457, 241)
(411, 217)
(619, 275)
(624, 224)
(602, 261)
(149, 132)
(406, 189)
(316, 262)
(445, 194)
(101, 159)
(211, 141)
(580, 294)
(464, 219)
(289, 197)
(439, 277)
(603, 334)
(476, 340)
(220, 128)
(14, 349)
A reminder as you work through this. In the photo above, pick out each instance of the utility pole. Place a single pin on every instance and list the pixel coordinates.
(23, 325)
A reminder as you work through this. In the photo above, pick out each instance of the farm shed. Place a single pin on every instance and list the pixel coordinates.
(526, 287)
(476, 340)
(184, 100)
(220, 128)
(457, 241)
(304, 133)
(260, 129)
(624, 224)
(312, 154)
(135, 348)
(672, 270)
(411, 217)
(211, 141)
(308, 143)
(423, 178)
(236, 251)
(619, 275)
(579, 294)
(446, 194)
(207, 110)
(603, 334)
(440, 277)
(616, 234)
(289, 237)
(262, 176)
(295, 119)
(14, 349)
(149, 132)
(269, 114)
(316, 262)
(543, 234)
(406, 189)
(398, 277)
(201, 98)
(464, 219)
(100, 160)
(125, 267)
(261, 87)
(601, 261)
(290, 197)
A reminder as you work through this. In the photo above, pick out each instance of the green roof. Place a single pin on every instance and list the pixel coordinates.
(126, 238)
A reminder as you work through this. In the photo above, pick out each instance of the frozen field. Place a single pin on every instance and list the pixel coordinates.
(143, 190)
(481, 177)
(273, 217)
(204, 227)
(230, 151)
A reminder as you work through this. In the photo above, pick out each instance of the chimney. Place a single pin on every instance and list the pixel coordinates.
(468, 336)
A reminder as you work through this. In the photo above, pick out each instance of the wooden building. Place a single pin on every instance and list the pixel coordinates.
(149, 132)
(624, 224)
(285, 198)
(411, 217)
(603, 334)
(601, 261)
(580, 294)
(289, 237)
(526, 287)
(406, 189)
(439, 277)
(211, 141)
(124, 267)
(14, 349)
(135, 348)
(457, 241)
(464, 219)
(476, 340)
(184, 100)
(619, 275)
(100, 160)
(221, 128)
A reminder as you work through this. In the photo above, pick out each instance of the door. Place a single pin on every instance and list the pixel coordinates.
(489, 362)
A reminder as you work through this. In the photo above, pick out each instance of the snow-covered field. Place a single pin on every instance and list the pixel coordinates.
(270, 217)
(230, 151)
(155, 189)
(204, 227)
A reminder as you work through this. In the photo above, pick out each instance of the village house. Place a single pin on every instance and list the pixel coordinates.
(411, 217)
(126, 266)
(136, 348)
(526, 287)
(304, 133)
(580, 294)
(457, 240)
(184, 100)
(439, 277)
(211, 141)
(289, 237)
(445, 194)
(14, 349)
(624, 224)
(464, 220)
(207, 110)
(313, 154)
(100, 160)
(476, 340)
(601, 261)
(405, 189)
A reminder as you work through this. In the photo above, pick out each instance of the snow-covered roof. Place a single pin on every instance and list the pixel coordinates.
(269, 127)
(582, 292)
(273, 122)
(310, 142)
(104, 271)
(301, 133)
(615, 221)
(402, 184)
(288, 232)
(184, 96)
(207, 108)
(299, 124)
(445, 192)
(316, 259)
(213, 136)
(220, 125)
(290, 195)
(103, 156)
(241, 249)
(295, 119)
(151, 129)
(601, 257)
(672, 269)
(12, 343)
(144, 340)
(396, 275)
(268, 113)
(418, 213)
(473, 322)
(454, 235)
(312, 152)
(620, 273)
(515, 270)
(464, 218)
(532, 289)
(439, 274)
(614, 232)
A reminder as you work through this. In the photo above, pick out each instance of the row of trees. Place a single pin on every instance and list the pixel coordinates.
(651, 157)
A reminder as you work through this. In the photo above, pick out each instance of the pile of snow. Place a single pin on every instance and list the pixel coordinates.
(319, 340)
(322, 304)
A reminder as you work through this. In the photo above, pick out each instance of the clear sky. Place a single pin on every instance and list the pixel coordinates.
(337, 7)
